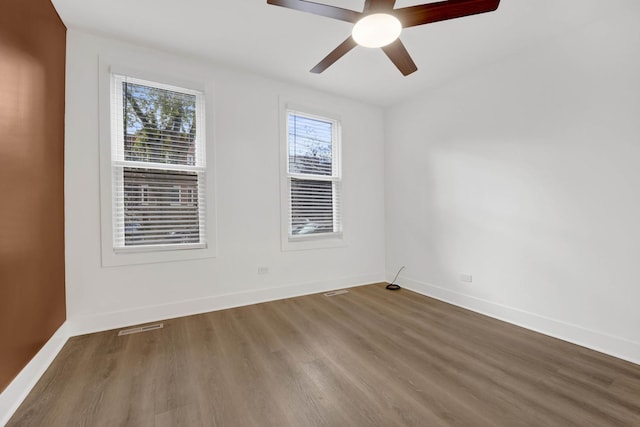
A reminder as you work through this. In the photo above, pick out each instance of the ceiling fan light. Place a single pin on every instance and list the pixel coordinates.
(376, 30)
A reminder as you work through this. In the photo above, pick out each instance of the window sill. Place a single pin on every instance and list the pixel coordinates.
(323, 241)
(111, 258)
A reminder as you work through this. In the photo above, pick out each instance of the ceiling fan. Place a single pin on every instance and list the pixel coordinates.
(379, 24)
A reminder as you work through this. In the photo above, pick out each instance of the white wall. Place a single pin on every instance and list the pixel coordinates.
(246, 130)
(526, 175)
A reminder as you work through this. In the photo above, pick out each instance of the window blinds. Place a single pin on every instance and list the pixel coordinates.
(313, 173)
(158, 165)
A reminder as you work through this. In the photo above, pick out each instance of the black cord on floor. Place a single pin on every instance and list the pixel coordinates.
(393, 286)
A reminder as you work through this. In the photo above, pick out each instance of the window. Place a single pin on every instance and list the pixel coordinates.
(158, 166)
(313, 179)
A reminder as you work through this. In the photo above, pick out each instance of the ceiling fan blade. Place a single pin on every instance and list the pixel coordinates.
(443, 10)
(372, 6)
(336, 54)
(398, 54)
(319, 9)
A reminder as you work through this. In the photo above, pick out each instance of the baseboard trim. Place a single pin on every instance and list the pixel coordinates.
(611, 345)
(119, 319)
(15, 393)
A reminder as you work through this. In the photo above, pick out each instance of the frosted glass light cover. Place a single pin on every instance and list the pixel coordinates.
(376, 30)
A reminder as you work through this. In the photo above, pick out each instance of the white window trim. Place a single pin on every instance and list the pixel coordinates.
(314, 241)
(110, 257)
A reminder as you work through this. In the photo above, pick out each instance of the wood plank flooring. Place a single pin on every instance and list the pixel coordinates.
(370, 357)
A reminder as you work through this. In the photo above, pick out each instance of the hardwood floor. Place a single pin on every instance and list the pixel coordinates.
(370, 357)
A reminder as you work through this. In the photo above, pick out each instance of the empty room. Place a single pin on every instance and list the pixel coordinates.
(329, 213)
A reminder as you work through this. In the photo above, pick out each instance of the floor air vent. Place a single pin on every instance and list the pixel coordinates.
(140, 329)
(334, 293)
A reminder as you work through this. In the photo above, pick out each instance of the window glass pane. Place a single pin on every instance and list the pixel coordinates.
(312, 207)
(159, 124)
(160, 207)
(310, 149)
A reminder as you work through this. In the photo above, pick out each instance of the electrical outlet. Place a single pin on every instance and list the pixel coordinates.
(464, 277)
(263, 270)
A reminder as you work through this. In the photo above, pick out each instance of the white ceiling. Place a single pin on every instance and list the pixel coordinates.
(286, 44)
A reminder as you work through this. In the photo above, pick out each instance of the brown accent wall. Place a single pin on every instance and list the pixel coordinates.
(32, 294)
